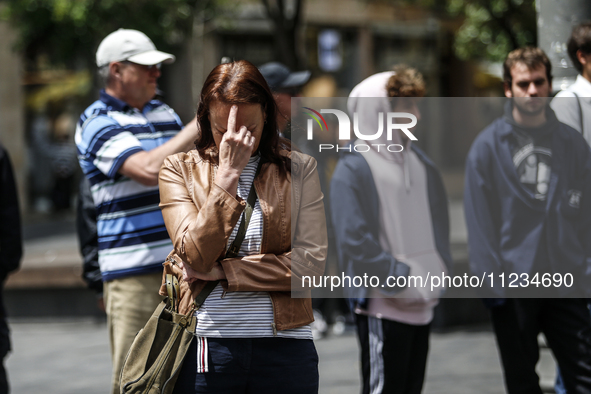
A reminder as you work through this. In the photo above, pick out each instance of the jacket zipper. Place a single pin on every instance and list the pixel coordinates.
(214, 172)
(174, 374)
(273, 325)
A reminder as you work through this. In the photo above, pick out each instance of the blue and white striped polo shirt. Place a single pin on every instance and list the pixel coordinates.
(131, 233)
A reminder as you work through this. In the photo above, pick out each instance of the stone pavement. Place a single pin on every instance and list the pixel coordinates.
(51, 257)
(71, 356)
(65, 355)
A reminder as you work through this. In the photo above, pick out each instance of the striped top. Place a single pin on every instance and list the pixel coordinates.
(243, 314)
(132, 237)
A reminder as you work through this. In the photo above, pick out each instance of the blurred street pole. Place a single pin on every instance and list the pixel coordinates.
(556, 19)
(12, 111)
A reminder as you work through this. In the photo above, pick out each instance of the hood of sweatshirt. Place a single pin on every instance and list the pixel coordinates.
(367, 100)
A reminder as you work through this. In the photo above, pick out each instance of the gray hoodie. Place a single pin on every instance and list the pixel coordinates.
(406, 229)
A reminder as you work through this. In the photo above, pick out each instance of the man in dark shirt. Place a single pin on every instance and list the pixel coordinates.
(527, 201)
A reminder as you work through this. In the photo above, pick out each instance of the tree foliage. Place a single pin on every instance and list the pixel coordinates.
(489, 28)
(492, 28)
(67, 31)
(286, 25)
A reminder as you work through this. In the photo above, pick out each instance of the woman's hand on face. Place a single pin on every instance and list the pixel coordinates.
(190, 275)
(236, 146)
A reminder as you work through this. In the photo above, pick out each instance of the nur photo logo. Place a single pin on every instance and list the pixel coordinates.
(389, 123)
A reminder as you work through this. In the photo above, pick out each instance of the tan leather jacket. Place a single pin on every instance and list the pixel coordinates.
(199, 216)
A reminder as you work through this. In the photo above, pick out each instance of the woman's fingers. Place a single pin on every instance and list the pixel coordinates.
(247, 138)
(232, 119)
(237, 136)
(242, 139)
(243, 132)
(190, 275)
(237, 144)
(185, 275)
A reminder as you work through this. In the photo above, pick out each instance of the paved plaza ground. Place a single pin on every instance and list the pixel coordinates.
(71, 356)
(66, 355)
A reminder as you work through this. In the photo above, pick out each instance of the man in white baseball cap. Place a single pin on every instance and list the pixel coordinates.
(130, 45)
(123, 139)
(132, 51)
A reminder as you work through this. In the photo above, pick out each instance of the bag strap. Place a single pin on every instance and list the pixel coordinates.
(580, 112)
(207, 289)
(174, 291)
(250, 202)
(235, 246)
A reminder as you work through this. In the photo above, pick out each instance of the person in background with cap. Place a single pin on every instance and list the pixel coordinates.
(284, 84)
(123, 139)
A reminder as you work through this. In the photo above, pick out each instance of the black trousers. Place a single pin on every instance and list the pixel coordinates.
(393, 355)
(252, 366)
(566, 324)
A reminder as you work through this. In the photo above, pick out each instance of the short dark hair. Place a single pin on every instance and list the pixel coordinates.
(532, 57)
(580, 40)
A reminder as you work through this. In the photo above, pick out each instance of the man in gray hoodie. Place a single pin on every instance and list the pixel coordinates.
(389, 211)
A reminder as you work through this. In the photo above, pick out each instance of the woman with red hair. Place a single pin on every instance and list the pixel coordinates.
(243, 181)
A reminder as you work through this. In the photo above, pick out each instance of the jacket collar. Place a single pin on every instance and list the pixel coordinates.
(551, 119)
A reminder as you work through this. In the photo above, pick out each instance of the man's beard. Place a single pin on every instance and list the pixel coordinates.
(529, 109)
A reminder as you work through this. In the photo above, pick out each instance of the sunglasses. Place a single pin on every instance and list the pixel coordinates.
(148, 67)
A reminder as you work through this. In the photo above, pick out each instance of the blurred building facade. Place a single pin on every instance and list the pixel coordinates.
(345, 42)
(12, 128)
(341, 41)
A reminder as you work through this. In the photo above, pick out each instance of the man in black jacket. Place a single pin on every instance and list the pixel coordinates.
(11, 249)
(527, 209)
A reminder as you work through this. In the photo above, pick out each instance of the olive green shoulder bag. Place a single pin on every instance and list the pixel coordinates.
(158, 350)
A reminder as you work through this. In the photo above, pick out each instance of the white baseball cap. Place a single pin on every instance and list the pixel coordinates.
(131, 45)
